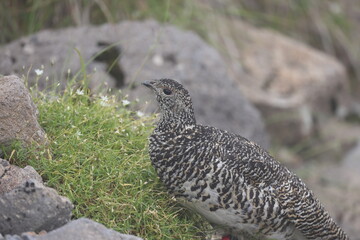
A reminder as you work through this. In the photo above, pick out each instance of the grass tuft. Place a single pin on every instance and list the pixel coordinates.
(97, 157)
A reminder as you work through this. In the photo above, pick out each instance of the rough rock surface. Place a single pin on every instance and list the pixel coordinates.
(80, 229)
(12, 176)
(141, 51)
(26, 204)
(292, 84)
(33, 207)
(85, 229)
(18, 114)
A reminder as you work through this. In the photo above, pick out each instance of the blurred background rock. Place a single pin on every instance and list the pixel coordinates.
(297, 62)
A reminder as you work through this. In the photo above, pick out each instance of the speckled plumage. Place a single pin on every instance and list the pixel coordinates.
(231, 181)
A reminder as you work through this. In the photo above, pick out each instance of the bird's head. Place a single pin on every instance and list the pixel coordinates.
(174, 101)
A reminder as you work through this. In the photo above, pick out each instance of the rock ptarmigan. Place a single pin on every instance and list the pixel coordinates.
(229, 180)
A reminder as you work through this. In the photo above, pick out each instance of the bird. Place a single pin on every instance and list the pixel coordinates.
(232, 182)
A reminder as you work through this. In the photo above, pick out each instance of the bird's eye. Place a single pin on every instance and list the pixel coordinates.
(167, 91)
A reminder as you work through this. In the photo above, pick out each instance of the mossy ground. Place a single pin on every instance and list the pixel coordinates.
(97, 157)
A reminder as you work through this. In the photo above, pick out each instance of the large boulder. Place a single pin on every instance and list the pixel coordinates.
(293, 85)
(80, 229)
(26, 204)
(18, 114)
(128, 53)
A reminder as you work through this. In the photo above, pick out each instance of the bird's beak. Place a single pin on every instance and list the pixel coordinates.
(149, 84)
(146, 84)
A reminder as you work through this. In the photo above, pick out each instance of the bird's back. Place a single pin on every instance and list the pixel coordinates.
(236, 184)
(302, 209)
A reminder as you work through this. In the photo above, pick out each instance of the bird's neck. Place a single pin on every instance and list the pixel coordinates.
(170, 121)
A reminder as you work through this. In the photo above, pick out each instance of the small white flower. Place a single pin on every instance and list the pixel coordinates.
(39, 72)
(78, 133)
(104, 101)
(104, 98)
(79, 92)
(140, 114)
(125, 102)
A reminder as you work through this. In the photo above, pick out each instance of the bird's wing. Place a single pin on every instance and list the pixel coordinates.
(302, 208)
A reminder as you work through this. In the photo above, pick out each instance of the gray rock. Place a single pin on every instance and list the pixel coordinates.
(350, 170)
(80, 229)
(18, 114)
(140, 51)
(33, 207)
(16, 237)
(352, 159)
(13, 237)
(85, 229)
(12, 176)
(24, 236)
(293, 85)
